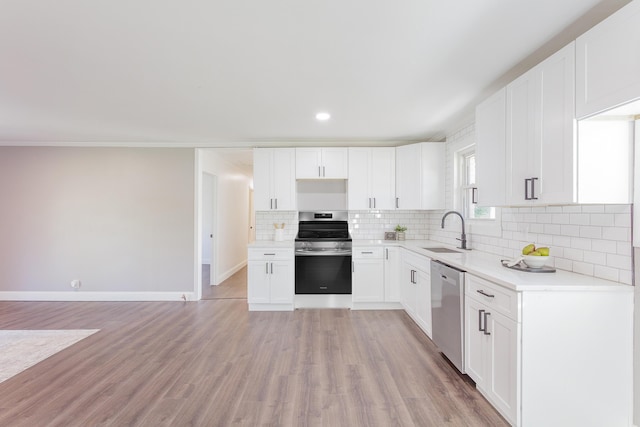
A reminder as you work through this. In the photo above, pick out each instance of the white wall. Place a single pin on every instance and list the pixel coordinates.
(232, 213)
(119, 219)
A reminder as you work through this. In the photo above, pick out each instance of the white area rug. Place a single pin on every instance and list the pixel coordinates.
(21, 349)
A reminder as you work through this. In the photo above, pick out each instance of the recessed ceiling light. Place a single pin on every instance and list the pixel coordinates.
(323, 117)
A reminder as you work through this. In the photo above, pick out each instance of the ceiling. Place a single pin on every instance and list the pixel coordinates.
(242, 73)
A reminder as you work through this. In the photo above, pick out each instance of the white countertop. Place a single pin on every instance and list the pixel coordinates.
(488, 266)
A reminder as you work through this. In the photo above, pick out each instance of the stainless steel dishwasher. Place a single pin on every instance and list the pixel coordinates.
(447, 311)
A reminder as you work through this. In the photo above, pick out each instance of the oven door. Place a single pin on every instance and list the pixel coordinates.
(323, 274)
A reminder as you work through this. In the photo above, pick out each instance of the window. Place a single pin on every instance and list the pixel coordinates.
(468, 192)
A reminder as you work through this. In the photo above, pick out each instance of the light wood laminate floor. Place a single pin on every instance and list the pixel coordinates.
(212, 363)
(234, 287)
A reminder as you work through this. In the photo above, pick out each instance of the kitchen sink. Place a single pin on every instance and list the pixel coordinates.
(443, 250)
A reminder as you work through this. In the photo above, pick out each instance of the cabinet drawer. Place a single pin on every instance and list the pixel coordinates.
(359, 253)
(268, 254)
(494, 296)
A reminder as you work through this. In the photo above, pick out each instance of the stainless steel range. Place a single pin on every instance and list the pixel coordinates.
(323, 253)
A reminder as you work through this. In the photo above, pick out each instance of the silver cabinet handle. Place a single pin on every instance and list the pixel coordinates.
(369, 202)
(319, 171)
(480, 312)
(271, 268)
(526, 189)
(533, 188)
(366, 252)
(324, 173)
(374, 203)
(386, 253)
(397, 202)
(474, 195)
(486, 332)
(353, 267)
(481, 292)
(271, 203)
(269, 254)
(266, 267)
(276, 203)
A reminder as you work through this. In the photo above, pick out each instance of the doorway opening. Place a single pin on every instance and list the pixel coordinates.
(208, 249)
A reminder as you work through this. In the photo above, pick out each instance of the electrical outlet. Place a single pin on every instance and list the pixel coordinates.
(75, 284)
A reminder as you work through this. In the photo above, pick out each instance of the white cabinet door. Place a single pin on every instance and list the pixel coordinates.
(490, 150)
(555, 157)
(258, 282)
(392, 276)
(371, 178)
(284, 182)
(358, 194)
(368, 280)
(262, 197)
(423, 300)
(274, 179)
(335, 163)
(474, 345)
(281, 280)
(308, 163)
(521, 138)
(382, 177)
(502, 363)
(608, 63)
(408, 177)
(408, 288)
(433, 175)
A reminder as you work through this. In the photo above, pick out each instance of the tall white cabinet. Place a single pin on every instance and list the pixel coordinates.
(274, 180)
(491, 140)
(540, 132)
(372, 178)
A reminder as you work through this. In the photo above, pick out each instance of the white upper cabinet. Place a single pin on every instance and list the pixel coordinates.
(608, 62)
(420, 174)
(372, 177)
(490, 149)
(540, 132)
(322, 163)
(274, 179)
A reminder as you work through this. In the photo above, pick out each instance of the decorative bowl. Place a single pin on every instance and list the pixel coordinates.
(533, 261)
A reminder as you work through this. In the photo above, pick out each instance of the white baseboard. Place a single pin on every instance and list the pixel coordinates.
(96, 296)
(233, 270)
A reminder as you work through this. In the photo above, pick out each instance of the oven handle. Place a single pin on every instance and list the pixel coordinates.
(323, 253)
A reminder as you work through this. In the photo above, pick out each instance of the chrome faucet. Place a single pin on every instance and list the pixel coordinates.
(463, 237)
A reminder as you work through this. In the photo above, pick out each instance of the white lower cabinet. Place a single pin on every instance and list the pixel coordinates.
(545, 357)
(491, 355)
(415, 289)
(368, 275)
(270, 279)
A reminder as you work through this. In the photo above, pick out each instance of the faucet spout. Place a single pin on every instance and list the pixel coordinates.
(463, 236)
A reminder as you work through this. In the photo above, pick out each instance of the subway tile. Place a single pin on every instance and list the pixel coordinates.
(593, 208)
(544, 218)
(621, 262)
(570, 230)
(624, 248)
(572, 209)
(563, 241)
(607, 273)
(602, 219)
(580, 219)
(583, 268)
(574, 255)
(581, 243)
(622, 220)
(616, 233)
(607, 246)
(617, 209)
(561, 218)
(599, 258)
(563, 264)
(536, 228)
(626, 277)
(590, 232)
(553, 229)
(553, 209)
